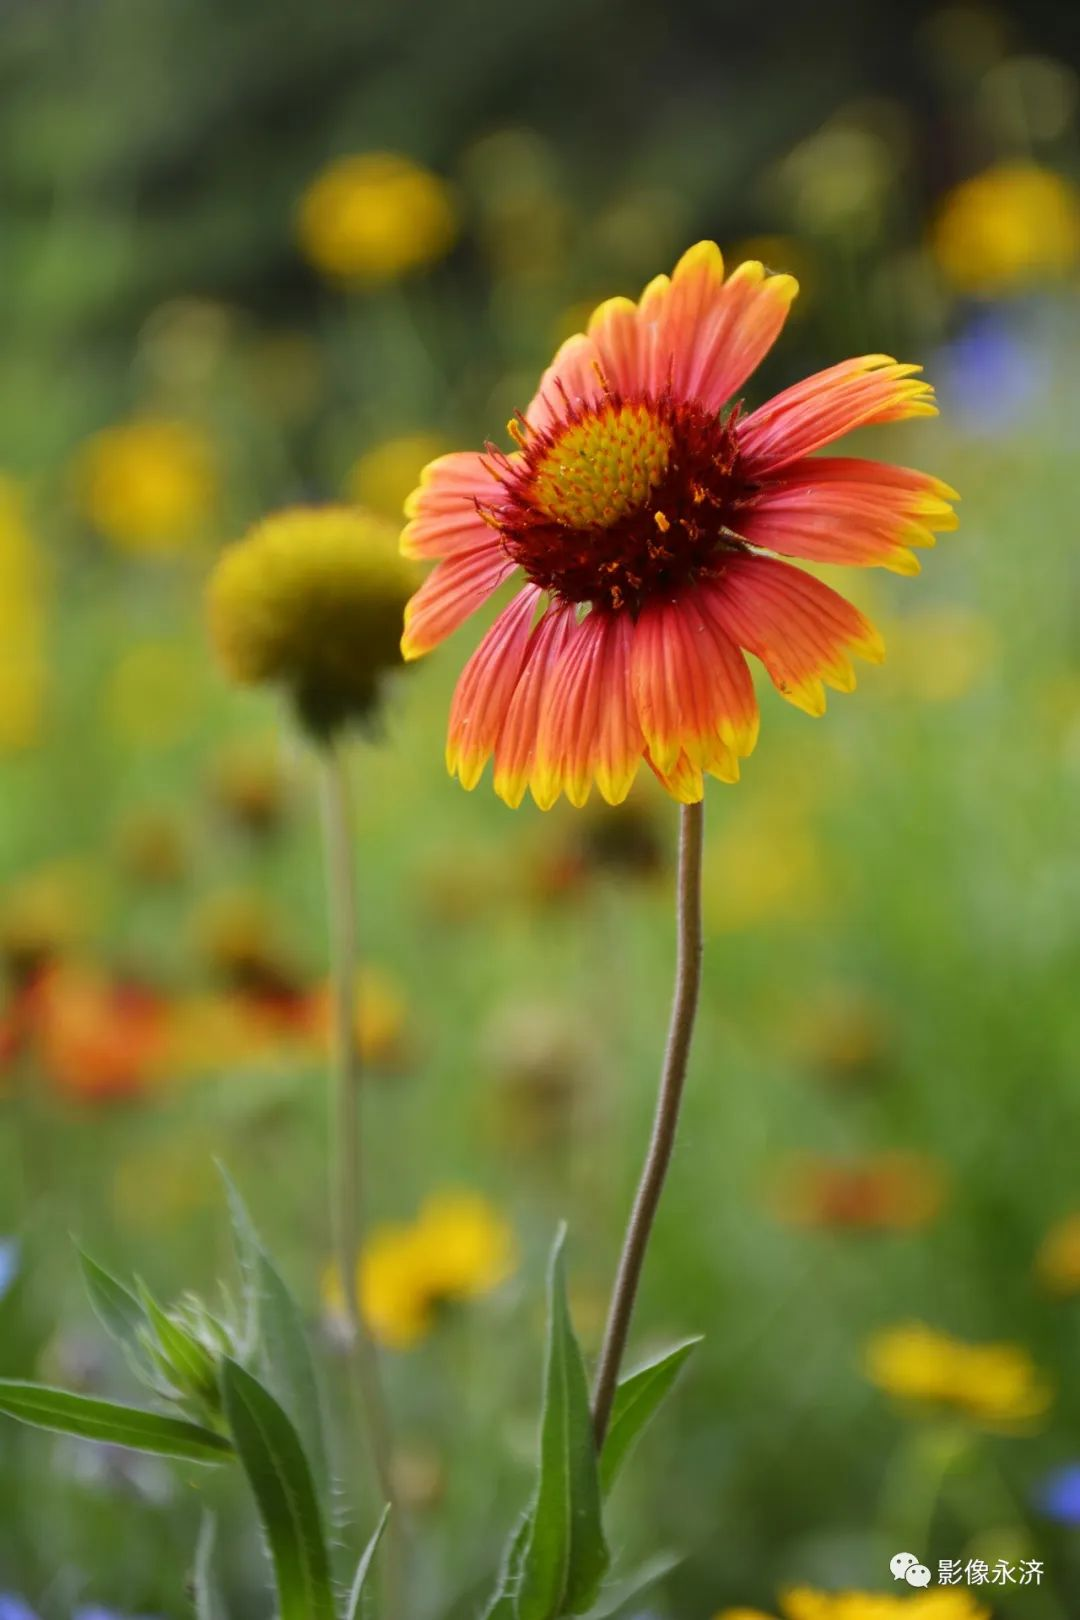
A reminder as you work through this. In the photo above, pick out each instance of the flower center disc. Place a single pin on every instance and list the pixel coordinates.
(603, 466)
(622, 501)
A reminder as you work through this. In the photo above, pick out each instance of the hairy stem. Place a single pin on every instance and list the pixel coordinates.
(665, 1119)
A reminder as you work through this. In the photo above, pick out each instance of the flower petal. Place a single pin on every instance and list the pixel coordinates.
(441, 511)
(800, 629)
(485, 688)
(588, 728)
(856, 393)
(572, 379)
(452, 591)
(683, 780)
(839, 509)
(693, 691)
(695, 333)
(515, 750)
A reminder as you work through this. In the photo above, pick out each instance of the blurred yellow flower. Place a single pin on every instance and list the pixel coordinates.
(939, 654)
(151, 698)
(995, 1385)
(1057, 1263)
(384, 476)
(23, 673)
(373, 216)
(458, 1248)
(803, 1603)
(312, 599)
(1013, 226)
(381, 1018)
(148, 486)
(46, 913)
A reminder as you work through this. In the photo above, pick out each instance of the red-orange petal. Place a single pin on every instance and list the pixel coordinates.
(840, 509)
(693, 691)
(589, 730)
(856, 393)
(486, 687)
(694, 332)
(572, 379)
(515, 749)
(801, 629)
(452, 591)
(442, 517)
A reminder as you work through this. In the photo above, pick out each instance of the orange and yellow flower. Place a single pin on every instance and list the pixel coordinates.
(648, 515)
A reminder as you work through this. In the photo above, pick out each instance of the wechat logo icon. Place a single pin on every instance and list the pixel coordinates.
(906, 1567)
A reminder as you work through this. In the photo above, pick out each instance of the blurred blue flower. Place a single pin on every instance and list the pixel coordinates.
(9, 1270)
(1059, 1495)
(13, 1608)
(989, 374)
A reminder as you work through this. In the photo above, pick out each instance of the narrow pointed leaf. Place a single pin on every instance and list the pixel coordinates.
(356, 1595)
(248, 1248)
(110, 1422)
(566, 1556)
(273, 1459)
(637, 1398)
(208, 1601)
(274, 1331)
(115, 1306)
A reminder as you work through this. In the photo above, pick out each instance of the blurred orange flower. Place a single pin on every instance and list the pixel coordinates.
(883, 1192)
(1057, 1263)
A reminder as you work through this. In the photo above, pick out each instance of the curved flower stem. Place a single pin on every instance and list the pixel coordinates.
(347, 1179)
(665, 1119)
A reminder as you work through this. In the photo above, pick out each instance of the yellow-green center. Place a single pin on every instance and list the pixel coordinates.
(602, 467)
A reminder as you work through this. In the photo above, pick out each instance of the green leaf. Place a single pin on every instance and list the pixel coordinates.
(248, 1248)
(115, 1306)
(637, 1398)
(274, 1330)
(503, 1605)
(111, 1422)
(273, 1459)
(617, 1594)
(566, 1556)
(208, 1601)
(356, 1595)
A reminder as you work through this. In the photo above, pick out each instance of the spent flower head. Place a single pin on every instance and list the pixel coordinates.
(643, 514)
(311, 601)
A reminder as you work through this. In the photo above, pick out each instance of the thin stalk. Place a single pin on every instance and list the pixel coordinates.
(346, 1146)
(665, 1119)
